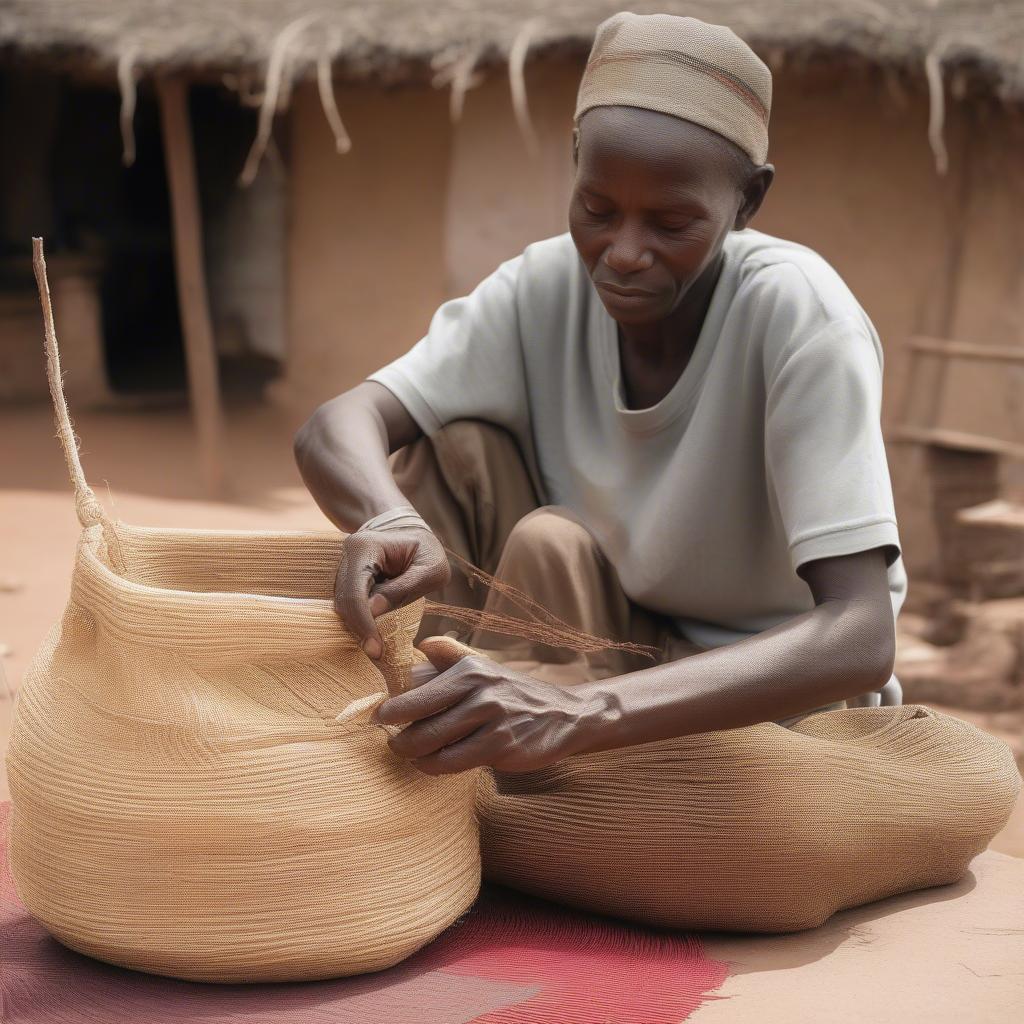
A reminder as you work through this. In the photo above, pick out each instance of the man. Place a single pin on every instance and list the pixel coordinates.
(662, 425)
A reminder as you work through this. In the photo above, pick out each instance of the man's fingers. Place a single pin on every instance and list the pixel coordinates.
(352, 602)
(431, 734)
(444, 651)
(383, 571)
(415, 582)
(436, 695)
(356, 614)
(474, 751)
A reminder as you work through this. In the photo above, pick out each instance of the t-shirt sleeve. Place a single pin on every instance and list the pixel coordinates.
(469, 365)
(824, 448)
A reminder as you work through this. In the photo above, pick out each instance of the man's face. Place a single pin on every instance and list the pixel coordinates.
(653, 201)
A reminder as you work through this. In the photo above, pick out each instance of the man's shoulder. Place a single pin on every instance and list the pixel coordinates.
(790, 277)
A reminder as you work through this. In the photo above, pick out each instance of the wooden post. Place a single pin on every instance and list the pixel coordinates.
(937, 314)
(200, 350)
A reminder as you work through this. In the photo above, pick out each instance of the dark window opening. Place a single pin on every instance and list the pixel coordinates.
(122, 215)
(110, 246)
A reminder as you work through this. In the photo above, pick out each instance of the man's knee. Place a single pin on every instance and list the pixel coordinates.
(552, 533)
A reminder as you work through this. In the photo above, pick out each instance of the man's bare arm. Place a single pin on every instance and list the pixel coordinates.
(342, 453)
(844, 647)
(478, 712)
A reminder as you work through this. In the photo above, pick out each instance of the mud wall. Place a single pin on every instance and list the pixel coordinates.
(366, 235)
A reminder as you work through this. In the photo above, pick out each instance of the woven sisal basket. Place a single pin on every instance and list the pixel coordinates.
(186, 801)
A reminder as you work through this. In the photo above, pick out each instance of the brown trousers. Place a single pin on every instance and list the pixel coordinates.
(470, 483)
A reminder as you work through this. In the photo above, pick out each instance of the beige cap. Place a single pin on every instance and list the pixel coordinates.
(684, 67)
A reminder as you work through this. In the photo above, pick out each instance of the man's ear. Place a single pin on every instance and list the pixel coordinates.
(575, 146)
(753, 195)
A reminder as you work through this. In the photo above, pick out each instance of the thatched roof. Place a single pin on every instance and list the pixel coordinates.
(395, 40)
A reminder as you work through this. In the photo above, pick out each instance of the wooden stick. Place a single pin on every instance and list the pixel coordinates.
(200, 350)
(968, 350)
(957, 439)
(998, 513)
(937, 315)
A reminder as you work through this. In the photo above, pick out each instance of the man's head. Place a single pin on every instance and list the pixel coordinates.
(669, 143)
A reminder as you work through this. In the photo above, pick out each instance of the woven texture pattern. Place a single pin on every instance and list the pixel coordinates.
(185, 801)
(681, 66)
(190, 797)
(756, 829)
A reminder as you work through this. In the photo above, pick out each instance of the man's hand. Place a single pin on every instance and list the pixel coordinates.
(384, 569)
(477, 713)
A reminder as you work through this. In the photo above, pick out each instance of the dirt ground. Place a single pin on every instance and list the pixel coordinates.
(142, 465)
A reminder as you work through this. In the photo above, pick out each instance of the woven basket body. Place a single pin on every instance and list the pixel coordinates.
(186, 801)
(756, 829)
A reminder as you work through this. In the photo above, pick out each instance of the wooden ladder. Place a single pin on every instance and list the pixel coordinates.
(997, 514)
(929, 433)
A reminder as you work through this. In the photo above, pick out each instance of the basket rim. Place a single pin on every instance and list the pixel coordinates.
(216, 622)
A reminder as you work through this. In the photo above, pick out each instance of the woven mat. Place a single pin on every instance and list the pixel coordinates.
(510, 960)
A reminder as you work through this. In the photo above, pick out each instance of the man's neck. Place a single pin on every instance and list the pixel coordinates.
(652, 357)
